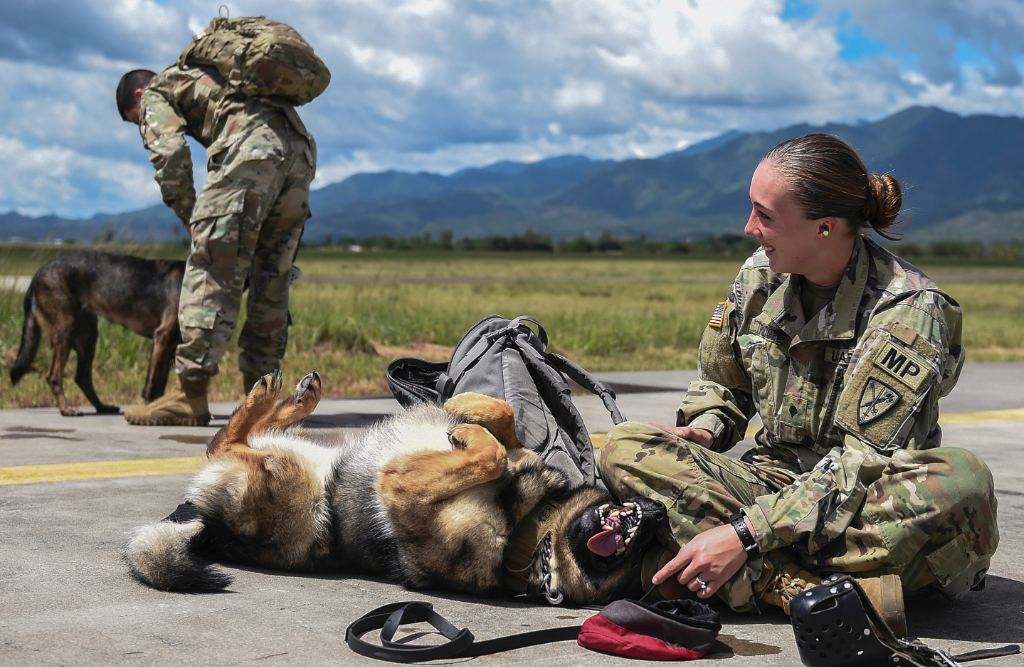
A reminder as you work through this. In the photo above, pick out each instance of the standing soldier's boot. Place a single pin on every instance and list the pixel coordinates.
(185, 406)
(782, 580)
(248, 381)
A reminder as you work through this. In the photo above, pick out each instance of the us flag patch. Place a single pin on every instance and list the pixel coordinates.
(716, 319)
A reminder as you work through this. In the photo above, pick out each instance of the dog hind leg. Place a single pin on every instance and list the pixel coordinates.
(86, 334)
(262, 411)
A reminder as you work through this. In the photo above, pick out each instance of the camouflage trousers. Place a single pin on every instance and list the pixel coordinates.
(929, 517)
(247, 221)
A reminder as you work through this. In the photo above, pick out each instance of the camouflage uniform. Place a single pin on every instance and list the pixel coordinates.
(247, 220)
(847, 473)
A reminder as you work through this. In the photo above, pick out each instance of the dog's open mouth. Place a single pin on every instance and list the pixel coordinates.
(619, 524)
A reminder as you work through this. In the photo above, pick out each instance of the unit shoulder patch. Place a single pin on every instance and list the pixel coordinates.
(876, 399)
(898, 363)
(718, 316)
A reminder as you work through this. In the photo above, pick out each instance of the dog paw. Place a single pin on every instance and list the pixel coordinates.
(457, 440)
(266, 389)
(71, 412)
(308, 389)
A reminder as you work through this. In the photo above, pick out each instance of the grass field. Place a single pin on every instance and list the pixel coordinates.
(355, 312)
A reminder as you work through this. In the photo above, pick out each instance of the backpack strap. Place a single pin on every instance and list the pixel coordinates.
(461, 644)
(588, 382)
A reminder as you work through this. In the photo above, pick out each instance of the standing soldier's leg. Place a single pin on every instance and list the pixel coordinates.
(265, 333)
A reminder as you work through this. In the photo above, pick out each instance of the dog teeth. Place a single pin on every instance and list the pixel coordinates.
(629, 504)
(602, 508)
(620, 551)
(606, 528)
(613, 513)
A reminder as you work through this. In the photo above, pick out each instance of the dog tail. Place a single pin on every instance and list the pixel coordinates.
(29, 340)
(162, 555)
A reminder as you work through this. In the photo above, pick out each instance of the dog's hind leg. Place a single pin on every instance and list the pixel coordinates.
(492, 413)
(429, 477)
(60, 348)
(290, 410)
(262, 411)
(86, 333)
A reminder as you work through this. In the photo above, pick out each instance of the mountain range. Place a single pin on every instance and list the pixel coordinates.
(962, 177)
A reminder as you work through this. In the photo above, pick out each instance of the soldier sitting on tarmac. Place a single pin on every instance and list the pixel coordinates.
(844, 351)
(247, 221)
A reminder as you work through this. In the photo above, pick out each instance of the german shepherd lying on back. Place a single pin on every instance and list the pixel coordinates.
(432, 498)
(72, 290)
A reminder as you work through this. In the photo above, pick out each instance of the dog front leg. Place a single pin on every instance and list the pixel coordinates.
(429, 477)
(493, 414)
(165, 340)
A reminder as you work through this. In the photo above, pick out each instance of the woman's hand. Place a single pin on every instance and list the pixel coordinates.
(700, 436)
(712, 557)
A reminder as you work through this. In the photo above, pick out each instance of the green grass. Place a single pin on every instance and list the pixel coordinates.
(606, 313)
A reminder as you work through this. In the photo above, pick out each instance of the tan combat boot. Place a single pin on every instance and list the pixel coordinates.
(248, 381)
(185, 406)
(656, 558)
(782, 580)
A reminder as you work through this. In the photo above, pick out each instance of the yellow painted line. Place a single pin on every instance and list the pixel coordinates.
(983, 417)
(955, 419)
(66, 472)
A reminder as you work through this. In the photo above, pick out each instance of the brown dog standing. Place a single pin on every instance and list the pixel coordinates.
(72, 290)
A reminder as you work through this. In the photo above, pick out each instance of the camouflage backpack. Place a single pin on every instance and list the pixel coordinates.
(259, 57)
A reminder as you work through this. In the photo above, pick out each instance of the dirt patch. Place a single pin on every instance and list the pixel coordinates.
(429, 351)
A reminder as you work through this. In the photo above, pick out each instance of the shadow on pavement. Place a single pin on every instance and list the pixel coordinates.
(992, 615)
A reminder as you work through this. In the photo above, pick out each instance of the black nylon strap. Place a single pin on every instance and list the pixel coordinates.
(461, 643)
(588, 382)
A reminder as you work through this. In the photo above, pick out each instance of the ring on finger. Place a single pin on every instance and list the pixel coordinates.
(700, 582)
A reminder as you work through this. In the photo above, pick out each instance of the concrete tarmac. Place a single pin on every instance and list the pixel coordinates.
(67, 598)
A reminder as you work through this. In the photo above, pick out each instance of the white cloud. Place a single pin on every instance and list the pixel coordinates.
(54, 179)
(444, 84)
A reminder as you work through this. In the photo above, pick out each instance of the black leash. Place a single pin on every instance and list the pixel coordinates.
(461, 644)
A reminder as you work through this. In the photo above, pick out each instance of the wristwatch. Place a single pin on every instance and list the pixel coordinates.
(746, 539)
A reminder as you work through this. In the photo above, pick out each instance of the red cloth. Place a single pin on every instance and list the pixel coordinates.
(600, 634)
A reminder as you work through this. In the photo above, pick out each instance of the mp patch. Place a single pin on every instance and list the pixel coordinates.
(716, 319)
(904, 365)
(876, 399)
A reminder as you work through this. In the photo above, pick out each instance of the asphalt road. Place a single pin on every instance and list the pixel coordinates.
(67, 599)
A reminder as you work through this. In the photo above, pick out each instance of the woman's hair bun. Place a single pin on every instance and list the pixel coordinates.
(885, 199)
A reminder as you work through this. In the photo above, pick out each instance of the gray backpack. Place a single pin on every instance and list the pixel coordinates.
(506, 359)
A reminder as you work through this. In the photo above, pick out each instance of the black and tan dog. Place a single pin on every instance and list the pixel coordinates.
(432, 498)
(72, 290)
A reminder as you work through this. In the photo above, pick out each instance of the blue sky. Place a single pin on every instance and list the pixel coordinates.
(439, 85)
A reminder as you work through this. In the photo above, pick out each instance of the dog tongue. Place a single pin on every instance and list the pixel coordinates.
(605, 543)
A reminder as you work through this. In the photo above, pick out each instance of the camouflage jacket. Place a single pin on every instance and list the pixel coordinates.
(837, 395)
(195, 102)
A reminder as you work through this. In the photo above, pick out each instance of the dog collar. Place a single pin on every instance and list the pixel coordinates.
(523, 552)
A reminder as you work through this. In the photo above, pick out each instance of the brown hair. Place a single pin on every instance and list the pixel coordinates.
(829, 178)
(126, 87)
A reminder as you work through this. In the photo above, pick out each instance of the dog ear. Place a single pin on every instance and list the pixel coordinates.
(162, 555)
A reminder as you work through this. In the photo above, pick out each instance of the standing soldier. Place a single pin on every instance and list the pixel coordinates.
(844, 351)
(249, 217)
